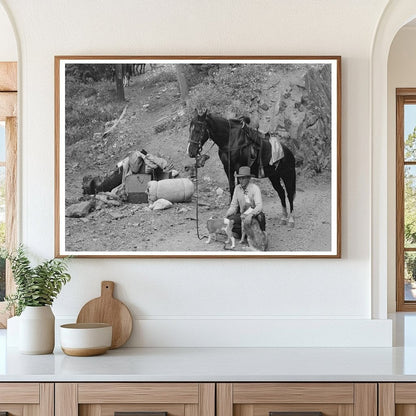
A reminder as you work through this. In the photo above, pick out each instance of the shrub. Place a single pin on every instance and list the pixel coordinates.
(161, 75)
(88, 108)
(35, 286)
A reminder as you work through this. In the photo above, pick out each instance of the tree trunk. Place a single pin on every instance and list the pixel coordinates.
(119, 83)
(183, 85)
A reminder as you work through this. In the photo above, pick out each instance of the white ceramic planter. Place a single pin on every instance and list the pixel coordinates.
(37, 330)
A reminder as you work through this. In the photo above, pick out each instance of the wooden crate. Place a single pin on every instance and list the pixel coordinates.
(136, 187)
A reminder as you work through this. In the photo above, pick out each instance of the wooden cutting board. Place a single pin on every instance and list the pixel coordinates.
(108, 310)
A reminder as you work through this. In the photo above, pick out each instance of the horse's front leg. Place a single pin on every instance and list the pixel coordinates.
(231, 180)
(229, 172)
(231, 184)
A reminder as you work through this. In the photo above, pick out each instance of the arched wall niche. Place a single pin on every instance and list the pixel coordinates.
(396, 15)
(401, 74)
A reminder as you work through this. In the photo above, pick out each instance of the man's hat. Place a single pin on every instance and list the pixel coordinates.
(244, 171)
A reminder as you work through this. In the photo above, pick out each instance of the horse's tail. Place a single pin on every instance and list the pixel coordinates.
(288, 156)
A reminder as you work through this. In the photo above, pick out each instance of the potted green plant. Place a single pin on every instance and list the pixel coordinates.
(36, 289)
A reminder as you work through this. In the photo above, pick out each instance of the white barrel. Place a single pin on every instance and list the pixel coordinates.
(174, 190)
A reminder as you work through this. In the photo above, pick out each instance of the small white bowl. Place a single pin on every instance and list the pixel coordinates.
(83, 340)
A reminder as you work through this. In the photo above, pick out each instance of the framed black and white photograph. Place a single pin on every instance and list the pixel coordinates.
(198, 156)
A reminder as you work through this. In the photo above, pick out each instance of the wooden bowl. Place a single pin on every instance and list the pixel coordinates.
(84, 340)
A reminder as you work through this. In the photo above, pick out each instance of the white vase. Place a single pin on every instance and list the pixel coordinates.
(37, 330)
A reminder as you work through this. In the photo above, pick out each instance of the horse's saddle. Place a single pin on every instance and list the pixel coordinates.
(255, 140)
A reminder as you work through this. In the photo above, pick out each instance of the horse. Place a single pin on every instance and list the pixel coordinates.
(235, 149)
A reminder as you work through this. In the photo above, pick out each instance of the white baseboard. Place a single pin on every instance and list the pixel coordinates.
(189, 332)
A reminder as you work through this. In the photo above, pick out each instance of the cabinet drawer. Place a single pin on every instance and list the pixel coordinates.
(19, 393)
(148, 399)
(138, 393)
(309, 399)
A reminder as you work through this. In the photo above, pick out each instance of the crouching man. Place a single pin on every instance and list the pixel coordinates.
(246, 199)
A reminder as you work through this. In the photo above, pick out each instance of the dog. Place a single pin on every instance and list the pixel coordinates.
(256, 237)
(219, 225)
(244, 215)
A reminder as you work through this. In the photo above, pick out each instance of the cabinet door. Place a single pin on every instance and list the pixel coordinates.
(297, 399)
(397, 399)
(142, 399)
(26, 399)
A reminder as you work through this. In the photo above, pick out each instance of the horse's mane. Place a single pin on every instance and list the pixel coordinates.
(233, 121)
(218, 120)
(237, 121)
(222, 127)
(216, 117)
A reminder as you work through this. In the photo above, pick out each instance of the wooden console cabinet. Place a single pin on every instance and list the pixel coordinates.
(208, 399)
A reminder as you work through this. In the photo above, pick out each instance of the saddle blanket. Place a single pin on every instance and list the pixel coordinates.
(277, 150)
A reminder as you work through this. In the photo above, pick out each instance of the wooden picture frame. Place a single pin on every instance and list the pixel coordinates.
(167, 107)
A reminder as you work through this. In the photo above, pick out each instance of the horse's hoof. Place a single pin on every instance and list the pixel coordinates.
(283, 221)
(291, 225)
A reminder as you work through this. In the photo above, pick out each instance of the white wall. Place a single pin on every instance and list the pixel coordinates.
(212, 302)
(8, 46)
(401, 74)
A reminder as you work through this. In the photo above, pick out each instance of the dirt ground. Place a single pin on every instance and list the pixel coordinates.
(136, 228)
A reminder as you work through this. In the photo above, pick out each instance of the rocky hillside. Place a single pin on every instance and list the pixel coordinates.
(291, 101)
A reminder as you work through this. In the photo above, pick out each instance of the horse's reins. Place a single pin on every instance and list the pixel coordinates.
(198, 142)
(196, 175)
(229, 154)
(197, 202)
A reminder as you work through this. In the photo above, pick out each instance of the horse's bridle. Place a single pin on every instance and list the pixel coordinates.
(204, 131)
